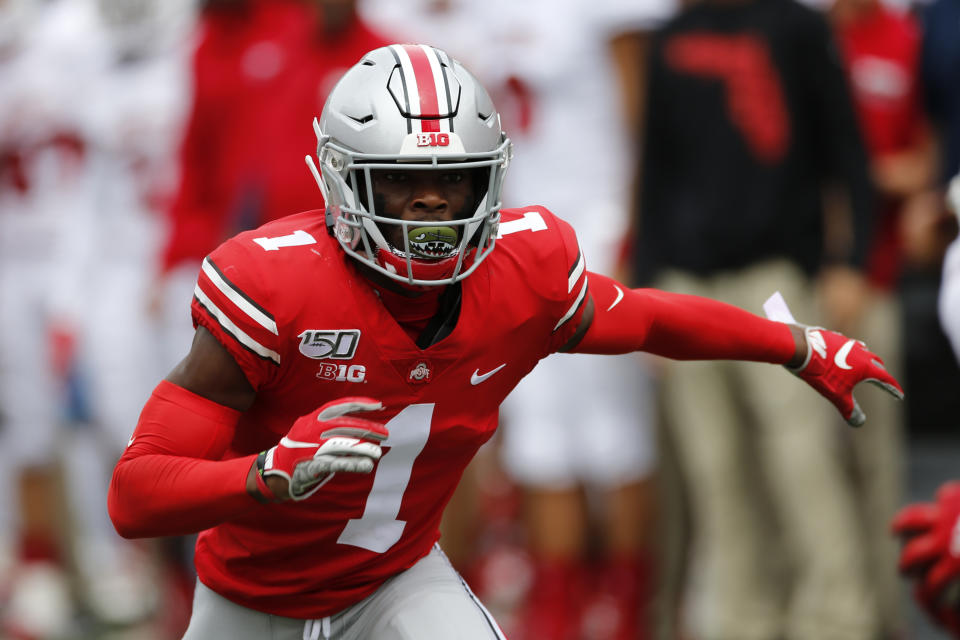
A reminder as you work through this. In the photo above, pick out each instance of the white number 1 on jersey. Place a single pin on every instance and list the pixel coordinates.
(531, 221)
(298, 238)
(378, 528)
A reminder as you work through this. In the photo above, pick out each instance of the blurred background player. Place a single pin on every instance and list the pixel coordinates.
(949, 303)
(43, 181)
(263, 67)
(880, 48)
(572, 84)
(90, 121)
(930, 553)
(941, 64)
(931, 530)
(137, 92)
(749, 118)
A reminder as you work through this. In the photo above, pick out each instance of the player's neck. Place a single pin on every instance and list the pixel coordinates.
(381, 282)
(413, 314)
(407, 308)
(414, 307)
(411, 307)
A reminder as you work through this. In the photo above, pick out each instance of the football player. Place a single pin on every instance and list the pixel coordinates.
(931, 531)
(348, 363)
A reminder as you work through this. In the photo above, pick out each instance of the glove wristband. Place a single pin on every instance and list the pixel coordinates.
(265, 495)
(806, 360)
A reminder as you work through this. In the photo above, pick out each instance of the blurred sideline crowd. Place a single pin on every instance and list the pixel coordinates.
(728, 148)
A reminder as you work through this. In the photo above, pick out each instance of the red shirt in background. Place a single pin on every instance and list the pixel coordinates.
(261, 75)
(881, 52)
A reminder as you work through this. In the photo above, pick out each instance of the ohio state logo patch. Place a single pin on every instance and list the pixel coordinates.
(420, 373)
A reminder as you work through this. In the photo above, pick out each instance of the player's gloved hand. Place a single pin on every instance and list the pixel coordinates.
(931, 553)
(835, 364)
(324, 442)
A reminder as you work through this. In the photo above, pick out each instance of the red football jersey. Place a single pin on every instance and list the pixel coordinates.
(307, 328)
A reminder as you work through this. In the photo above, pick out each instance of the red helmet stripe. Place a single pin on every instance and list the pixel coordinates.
(426, 85)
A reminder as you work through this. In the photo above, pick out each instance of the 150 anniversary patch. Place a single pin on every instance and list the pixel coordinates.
(320, 344)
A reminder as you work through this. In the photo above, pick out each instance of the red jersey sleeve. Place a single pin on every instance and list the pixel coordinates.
(682, 327)
(171, 479)
(570, 286)
(233, 302)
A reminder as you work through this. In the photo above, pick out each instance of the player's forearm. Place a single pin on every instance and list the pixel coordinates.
(163, 495)
(171, 479)
(685, 327)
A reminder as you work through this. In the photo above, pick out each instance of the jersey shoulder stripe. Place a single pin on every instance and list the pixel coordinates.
(251, 289)
(576, 273)
(575, 307)
(243, 302)
(230, 327)
(579, 266)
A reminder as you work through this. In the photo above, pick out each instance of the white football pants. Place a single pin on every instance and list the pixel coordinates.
(428, 601)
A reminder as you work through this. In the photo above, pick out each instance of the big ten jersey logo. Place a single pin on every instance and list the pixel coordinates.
(342, 372)
(433, 140)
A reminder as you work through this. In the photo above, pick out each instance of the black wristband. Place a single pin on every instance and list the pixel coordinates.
(263, 494)
(261, 460)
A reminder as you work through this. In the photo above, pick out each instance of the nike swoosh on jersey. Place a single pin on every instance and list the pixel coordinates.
(840, 359)
(476, 377)
(619, 297)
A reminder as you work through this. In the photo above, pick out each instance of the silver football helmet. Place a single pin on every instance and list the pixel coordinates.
(410, 107)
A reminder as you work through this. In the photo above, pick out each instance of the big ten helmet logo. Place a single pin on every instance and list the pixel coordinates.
(339, 344)
(433, 139)
(342, 372)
